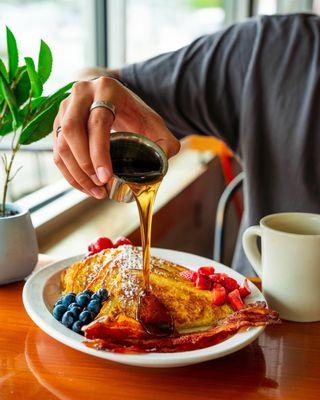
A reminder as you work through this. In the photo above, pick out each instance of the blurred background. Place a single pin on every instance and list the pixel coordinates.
(111, 33)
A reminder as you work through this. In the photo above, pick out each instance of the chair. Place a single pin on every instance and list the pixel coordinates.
(224, 201)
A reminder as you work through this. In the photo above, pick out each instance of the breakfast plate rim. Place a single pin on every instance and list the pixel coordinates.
(38, 311)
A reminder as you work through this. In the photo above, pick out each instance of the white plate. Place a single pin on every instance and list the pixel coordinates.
(43, 288)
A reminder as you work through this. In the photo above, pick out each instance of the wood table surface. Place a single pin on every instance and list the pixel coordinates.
(283, 363)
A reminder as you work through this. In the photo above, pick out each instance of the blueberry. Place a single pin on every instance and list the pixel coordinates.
(68, 319)
(58, 302)
(88, 292)
(58, 311)
(75, 309)
(103, 294)
(86, 317)
(94, 306)
(96, 297)
(82, 299)
(74, 304)
(76, 327)
(68, 299)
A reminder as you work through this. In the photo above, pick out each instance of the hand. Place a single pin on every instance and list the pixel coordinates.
(81, 149)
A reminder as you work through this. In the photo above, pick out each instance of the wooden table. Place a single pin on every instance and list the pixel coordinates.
(283, 363)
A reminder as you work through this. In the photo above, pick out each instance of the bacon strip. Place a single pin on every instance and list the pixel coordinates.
(126, 335)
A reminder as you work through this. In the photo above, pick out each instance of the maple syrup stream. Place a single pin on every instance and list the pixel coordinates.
(152, 313)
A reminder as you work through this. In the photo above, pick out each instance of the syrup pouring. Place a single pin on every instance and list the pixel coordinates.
(142, 171)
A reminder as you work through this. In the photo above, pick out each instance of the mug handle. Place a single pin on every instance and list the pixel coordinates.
(249, 242)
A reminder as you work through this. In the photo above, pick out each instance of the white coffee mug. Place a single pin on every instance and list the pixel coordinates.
(289, 265)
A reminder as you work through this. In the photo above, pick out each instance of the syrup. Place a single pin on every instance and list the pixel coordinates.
(141, 169)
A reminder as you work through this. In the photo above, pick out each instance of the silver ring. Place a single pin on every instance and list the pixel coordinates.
(105, 104)
(58, 130)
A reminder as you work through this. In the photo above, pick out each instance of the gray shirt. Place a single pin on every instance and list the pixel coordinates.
(256, 85)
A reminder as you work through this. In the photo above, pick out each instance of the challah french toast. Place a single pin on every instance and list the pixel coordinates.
(119, 270)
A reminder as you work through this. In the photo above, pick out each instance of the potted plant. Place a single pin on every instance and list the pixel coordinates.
(27, 115)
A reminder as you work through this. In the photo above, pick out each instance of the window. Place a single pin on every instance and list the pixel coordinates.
(286, 6)
(168, 24)
(66, 25)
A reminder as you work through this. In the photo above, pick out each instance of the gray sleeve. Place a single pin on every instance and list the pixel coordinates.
(198, 88)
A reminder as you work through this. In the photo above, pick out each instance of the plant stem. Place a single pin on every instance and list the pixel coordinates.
(8, 169)
(14, 150)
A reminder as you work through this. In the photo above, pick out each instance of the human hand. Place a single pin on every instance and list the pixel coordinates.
(81, 148)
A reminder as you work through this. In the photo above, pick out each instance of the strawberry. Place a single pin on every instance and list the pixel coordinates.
(195, 277)
(244, 289)
(215, 277)
(188, 275)
(235, 300)
(121, 241)
(229, 283)
(203, 282)
(206, 270)
(219, 294)
(99, 244)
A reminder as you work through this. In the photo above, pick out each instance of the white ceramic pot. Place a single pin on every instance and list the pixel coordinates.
(18, 246)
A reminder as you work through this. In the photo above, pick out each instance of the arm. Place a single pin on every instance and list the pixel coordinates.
(196, 89)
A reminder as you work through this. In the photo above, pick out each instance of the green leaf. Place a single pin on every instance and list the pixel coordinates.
(22, 90)
(36, 84)
(10, 100)
(44, 62)
(64, 89)
(38, 102)
(13, 56)
(4, 71)
(44, 102)
(40, 126)
(5, 128)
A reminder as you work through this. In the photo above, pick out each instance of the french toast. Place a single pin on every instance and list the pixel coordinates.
(119, 270)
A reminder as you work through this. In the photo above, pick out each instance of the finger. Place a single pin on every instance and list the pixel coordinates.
(62, 109)
(169, 144)
(156, 130)
(99, 125)
(74, 128)
(135, 115)
(75, 171)
(66, 174)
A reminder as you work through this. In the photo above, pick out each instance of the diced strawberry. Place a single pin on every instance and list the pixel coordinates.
(244, 289)
(235, 300)
(203, 282)
(219, 294)
(121, 241)
(229, 283)
(195, 277)
(91, 248)
(188, 275)
(206, 270)
(99, 244)
(215, 277)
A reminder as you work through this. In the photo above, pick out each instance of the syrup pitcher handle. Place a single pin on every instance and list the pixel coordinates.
(249, 242)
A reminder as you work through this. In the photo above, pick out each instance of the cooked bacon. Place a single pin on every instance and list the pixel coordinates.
(121, 328)
(125, 335)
